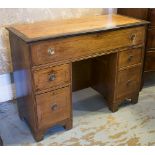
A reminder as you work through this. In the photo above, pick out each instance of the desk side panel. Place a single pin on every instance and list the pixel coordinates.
(23, 79)
(104, 76)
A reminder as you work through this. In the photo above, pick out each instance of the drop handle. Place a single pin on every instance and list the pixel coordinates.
(130, 58)
(51, 51)
(128, 100)
(54, 107)
(128, 82)
(132, 37)
(52, 77)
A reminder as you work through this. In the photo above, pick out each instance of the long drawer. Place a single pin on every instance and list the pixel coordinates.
(53, 107)
(51, 77)
(128, 81)
(71, 48)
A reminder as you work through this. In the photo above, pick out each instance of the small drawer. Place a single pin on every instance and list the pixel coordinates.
(130, 57)
(75, 47)
(128, 81)
(53, 107)
(51, 77)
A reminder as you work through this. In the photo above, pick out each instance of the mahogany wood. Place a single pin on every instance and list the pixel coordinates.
(81, 74)
(51, 77)
(53, 107)
(149, 64)
(151, 39)
(66, 48)
(47, 62)
(53, 29)
(128, 81)
(23, 80)
(149, 15)
(104, 78)
(130, 57)
(139, 13)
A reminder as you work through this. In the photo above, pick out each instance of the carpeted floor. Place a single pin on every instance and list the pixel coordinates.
(93, 123)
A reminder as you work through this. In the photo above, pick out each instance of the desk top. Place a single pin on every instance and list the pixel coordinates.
(60, 28)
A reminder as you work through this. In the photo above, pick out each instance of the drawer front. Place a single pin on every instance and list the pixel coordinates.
(51, 77)
(130, 57)
(152, 17)
(128, 81)
(150, 61)
(72, 48)
(151, 39)
(53, 107)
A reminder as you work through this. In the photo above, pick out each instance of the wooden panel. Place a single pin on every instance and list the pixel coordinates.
(23, 80)
(80, 46)
(140, 13)
(130, 57)
(51, 76)
(104, 75)
(81, 74)
(52, 29)
(150, 61)
(53, 107)
(151, 39)
(128, 81)
(150, 53)
(151, 17)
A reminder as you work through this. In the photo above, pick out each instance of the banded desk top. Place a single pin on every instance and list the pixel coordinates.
(60, 28)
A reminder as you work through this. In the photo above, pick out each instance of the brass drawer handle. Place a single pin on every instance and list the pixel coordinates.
(52, 77)
(128, 82)
(130, 58)
(132, 37)
(54, 107)
(51, 51)
(128, 100)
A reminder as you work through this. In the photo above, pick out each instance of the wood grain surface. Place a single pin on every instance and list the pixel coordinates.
(52, 29)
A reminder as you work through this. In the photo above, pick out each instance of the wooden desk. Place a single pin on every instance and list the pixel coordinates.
(45, 54)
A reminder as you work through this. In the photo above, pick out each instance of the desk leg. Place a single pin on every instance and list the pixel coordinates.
(38, 135)
(114, 107)
(135, 99)
(69, 124)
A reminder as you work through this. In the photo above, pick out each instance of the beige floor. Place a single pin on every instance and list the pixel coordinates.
(93, 124)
